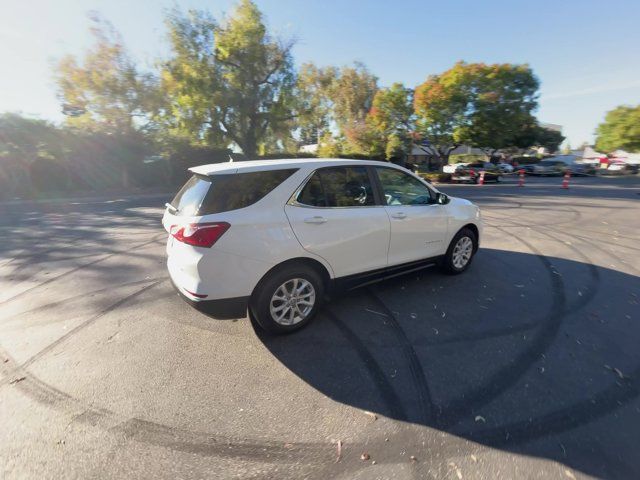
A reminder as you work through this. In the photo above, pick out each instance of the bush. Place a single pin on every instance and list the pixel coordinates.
(464, 158)
(436, 177)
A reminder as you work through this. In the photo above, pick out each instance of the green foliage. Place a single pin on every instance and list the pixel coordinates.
(486, 106)
(229, 83)
(328, 147)
(436, 177)
(314, 101)
(395, 148)
(502, 99)
(391, 120)
(104, 92)
(467, 158)
(549, 139)
(620, 130)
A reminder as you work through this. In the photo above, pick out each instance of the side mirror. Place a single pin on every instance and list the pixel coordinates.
(442, 199)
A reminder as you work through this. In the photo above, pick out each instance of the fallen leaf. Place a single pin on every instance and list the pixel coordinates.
(373, 462)
(474, 458)
(365, 456)
(339, 448)
(569, 474)
(480, 418)
(16, 380)
(372, 415)
(413, 458)
(617, 372)
(377, 313)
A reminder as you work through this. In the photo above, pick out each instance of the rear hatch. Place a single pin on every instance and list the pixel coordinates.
(202, 206)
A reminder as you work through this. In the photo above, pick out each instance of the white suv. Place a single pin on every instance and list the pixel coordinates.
(274, 236)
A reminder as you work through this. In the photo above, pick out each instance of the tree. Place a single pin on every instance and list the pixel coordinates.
(105, 92)
(351, 94)
(548, 139)
(503, 97)
(391, 119)
(534, 135)
(486, 106)
(229, 83)
(315, 106)
(328, 147)
(620, 130)
(442, 104)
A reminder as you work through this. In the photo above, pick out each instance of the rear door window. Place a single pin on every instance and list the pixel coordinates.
(206, 195)
(338, 187)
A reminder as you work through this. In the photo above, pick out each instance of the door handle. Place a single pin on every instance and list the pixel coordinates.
(315, 219)
(399, 215)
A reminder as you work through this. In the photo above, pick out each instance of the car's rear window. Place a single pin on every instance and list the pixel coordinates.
(205, 195)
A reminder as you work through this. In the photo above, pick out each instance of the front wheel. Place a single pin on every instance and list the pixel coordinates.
(460, 252)
(287, 299)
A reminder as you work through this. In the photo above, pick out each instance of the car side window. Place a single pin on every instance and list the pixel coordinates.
(400, 188)
(338, 187)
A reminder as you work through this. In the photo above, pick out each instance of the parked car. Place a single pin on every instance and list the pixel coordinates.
(549, 168)
(471, 173)
(452, 167)
(620, 168)
(273, 236)
(528, 168)
(505, 167)
(581, 169)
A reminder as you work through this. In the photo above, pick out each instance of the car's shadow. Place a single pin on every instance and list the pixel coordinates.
(532, 354)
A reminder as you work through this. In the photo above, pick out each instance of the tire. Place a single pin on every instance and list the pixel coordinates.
(451, 264)
(293, 317)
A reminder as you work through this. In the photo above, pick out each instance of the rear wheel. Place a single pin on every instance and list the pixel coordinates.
(287, 299)
(460, 252)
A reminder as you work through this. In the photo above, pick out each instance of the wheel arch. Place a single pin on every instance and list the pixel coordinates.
(307, 261)
(476, 231)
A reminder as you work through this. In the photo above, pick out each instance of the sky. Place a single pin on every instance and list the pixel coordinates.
(585, 53)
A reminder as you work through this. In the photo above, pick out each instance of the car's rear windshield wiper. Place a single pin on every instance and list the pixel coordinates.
(171, 208)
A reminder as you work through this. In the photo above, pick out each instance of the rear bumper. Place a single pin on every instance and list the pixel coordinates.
(221, 309)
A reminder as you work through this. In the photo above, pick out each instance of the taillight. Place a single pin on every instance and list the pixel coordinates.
(199, 234)
(472, 172)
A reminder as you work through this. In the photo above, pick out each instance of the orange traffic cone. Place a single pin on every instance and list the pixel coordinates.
(565, 181)
(481, 180)
(521, 178)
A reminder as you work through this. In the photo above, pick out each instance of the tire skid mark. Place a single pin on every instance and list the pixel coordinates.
(510, 374)
(594, 272)
(75, 269)
(70, 257)
(23, 366)
(567, 418)
(593, 244)
(387, 392)
(318, 455)
(75, 298)
(156, 434)
(415, 367)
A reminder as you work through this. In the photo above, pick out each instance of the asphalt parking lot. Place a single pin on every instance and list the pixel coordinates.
(526, 366)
